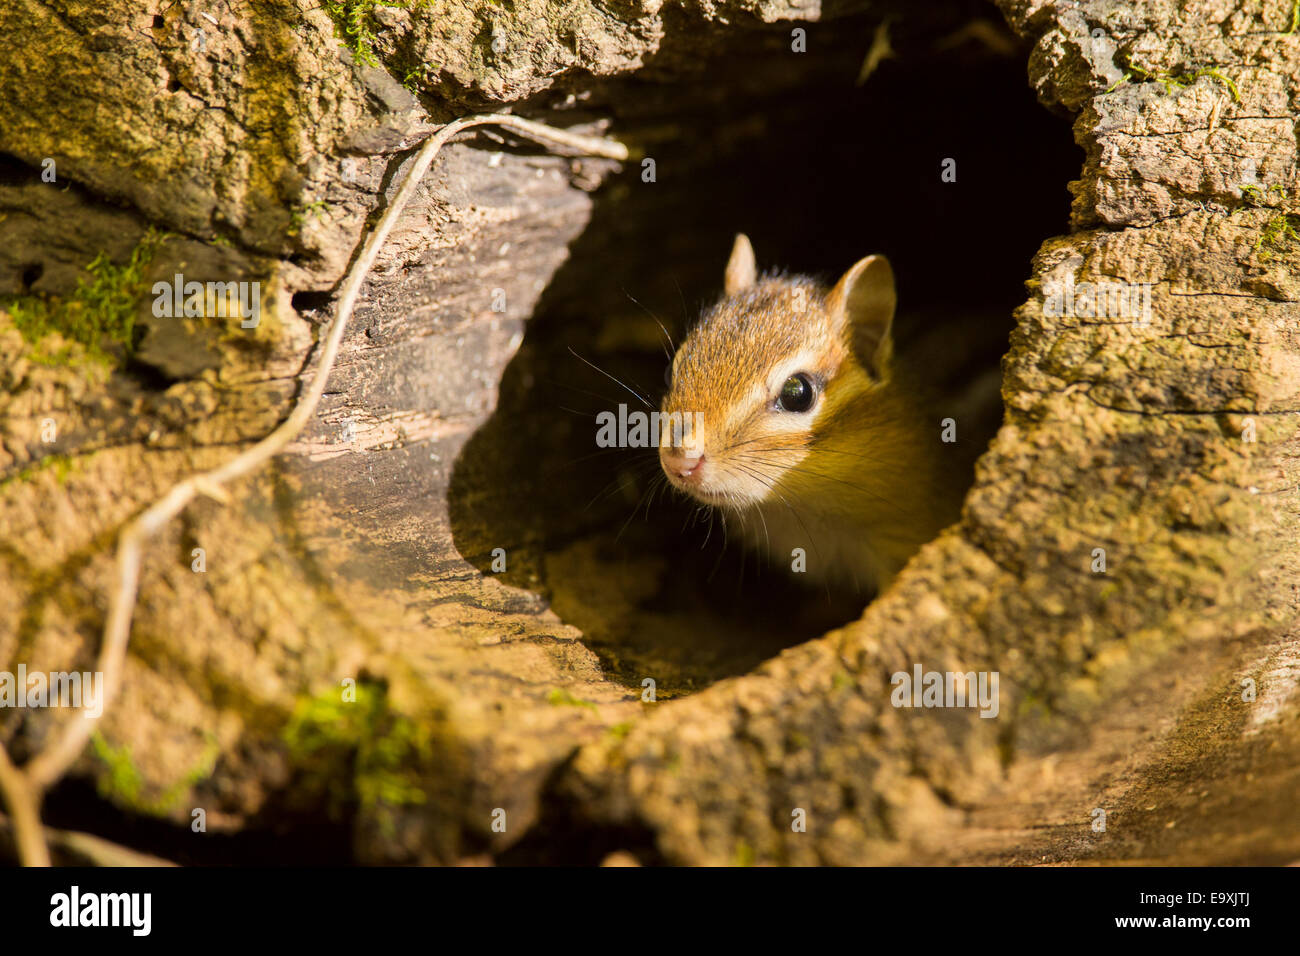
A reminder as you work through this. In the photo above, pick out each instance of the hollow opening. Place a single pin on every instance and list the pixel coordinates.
(30, 275)
(818, 171)
(13, 171)
(310, 301)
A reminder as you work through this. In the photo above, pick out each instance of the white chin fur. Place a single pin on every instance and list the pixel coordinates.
(736, 495)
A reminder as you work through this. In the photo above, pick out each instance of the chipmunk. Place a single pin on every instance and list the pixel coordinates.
(805, 428)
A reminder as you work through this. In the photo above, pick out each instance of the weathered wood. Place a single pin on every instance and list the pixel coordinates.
(365, 552)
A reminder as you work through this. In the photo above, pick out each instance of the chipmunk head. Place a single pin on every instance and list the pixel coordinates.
(775, 367)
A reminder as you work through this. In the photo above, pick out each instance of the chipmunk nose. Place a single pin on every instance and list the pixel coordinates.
(683, 463)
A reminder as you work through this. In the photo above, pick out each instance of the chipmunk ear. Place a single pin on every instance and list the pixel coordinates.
(864, 300)
(742, 271)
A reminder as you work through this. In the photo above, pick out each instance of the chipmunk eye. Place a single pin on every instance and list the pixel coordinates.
(797, 394)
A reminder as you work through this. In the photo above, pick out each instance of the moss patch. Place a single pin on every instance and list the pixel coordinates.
(1177, 79)
(96, 322)
(124, 784)
(358, 27)
(562, 698)
(350, 745)
(1277, 236)
(61, 465)
(299, 216)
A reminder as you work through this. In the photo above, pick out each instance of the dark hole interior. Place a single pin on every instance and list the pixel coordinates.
(13, 171)
(31, 274)
(310, 301)
(819, 174)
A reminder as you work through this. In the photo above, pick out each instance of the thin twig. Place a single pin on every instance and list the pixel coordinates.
(23, 789)
(79, 848)
(24, 805)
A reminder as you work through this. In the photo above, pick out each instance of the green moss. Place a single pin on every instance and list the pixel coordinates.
(358, 751)
(1277, 236)
(422, 74)
(124, 784)
(97, 322)
(61, 465)
(621, 730)
(300, 215)
(1281, 230)
(357, 26)
(122, 780)
(1225, 80)
(1173, 80)
(562, 698)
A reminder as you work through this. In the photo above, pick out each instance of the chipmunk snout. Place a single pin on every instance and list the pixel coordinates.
(684, 464)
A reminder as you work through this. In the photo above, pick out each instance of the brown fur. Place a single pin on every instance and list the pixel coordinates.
(861, 480)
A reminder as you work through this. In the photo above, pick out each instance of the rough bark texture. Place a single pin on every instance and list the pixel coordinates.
(259, 146)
